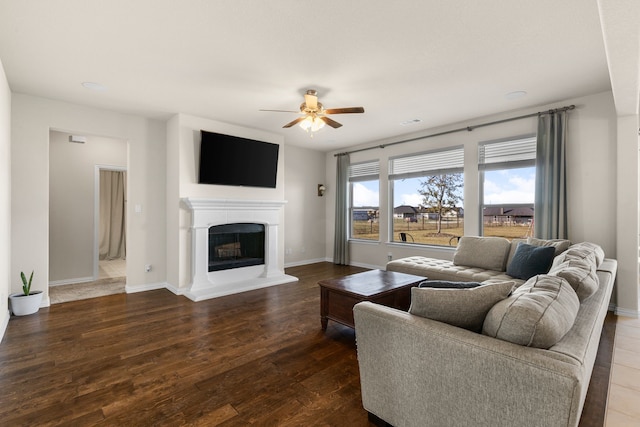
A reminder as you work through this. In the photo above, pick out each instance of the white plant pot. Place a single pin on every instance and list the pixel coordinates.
(22, 304)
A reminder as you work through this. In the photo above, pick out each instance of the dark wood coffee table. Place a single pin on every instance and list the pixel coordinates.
(338, 296)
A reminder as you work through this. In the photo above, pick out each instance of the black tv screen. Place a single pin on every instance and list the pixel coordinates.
(231, 160)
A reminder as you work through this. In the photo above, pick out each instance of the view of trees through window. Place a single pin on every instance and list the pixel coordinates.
(427, 194)
(428, 210)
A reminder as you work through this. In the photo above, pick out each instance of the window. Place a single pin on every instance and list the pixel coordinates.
(507, 179)
(364, 191)
(427, 197)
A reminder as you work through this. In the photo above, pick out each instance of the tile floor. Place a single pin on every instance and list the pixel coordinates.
(112, 269)
(623, 408)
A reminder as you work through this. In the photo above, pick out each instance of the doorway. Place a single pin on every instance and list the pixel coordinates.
(110, 210)
(75, 162)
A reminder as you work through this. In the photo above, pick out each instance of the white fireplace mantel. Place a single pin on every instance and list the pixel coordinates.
(206, 213)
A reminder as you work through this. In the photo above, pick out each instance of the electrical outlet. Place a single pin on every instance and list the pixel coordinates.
(288, 251)
(389, 256)
(147, 268)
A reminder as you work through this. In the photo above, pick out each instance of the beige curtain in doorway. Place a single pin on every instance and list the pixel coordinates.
(112, 214)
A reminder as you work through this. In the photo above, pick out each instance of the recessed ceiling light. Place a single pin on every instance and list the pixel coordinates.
(411, 122)
(516, 94)
(94, 86)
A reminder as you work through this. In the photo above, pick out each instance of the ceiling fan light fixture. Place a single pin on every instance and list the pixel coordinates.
(314, 115)
(312, 124)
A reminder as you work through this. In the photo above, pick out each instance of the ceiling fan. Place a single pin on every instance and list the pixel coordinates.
(315, 115)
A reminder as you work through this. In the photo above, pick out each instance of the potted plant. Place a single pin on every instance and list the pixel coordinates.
(26, 302)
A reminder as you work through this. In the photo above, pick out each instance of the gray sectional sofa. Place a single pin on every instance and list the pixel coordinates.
(512, 351)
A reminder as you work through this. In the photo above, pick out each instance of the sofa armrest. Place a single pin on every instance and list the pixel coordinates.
(416, 371)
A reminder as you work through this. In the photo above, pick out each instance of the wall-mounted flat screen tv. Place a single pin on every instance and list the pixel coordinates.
(231, 160)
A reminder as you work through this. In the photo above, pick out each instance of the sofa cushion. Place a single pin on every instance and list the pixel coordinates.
(489, 253)
(465, 308)
(580, 249)
(585, 251)
(440, 269)
(448, 284)
(581, 275)
(560, 245)
(537, 314)
(530, 260)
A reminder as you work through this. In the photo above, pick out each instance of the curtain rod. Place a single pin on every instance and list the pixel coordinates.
(468, 129)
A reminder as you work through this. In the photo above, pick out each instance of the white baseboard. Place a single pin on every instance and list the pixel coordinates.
(371, 266)
(71, 281)
(317, 260)
(627, 313)
(305, 262)
(175, 290)
(4, 325)
(132, 289)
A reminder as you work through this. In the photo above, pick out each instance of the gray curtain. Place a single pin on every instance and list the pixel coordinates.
(550, 216)
(341, 239)
(112, 215)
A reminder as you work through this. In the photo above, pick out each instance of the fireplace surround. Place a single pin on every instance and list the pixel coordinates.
(260, 214)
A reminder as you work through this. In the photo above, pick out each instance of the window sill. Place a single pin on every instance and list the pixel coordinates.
(365, 242)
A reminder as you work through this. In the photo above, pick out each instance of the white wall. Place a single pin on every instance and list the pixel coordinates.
(183, 151)
(592, 180)
(6, 276)
(72, 202)
(305, 218)
(32, 119)
(626, 215)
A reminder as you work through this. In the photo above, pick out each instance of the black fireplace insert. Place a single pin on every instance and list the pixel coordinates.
(236, 245)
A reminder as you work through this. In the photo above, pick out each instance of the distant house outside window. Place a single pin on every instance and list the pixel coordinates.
(507, 181)
(364, 201)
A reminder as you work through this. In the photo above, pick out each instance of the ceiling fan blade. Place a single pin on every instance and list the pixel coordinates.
(296, 121)
(282, 111)
(344, 110)
(331, 122)
(311, 101)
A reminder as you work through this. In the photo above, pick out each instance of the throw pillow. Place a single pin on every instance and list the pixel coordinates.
(465, 308)
(560, 245)
(530, 260)
(512, 249)
(581, 275)
(537, 314)
(489, 253)
(448, 284)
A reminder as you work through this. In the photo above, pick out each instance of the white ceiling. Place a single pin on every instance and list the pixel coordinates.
(438, 61)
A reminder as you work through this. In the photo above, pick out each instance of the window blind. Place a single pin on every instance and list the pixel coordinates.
(432, 163)
(367, 171)
(519, 152)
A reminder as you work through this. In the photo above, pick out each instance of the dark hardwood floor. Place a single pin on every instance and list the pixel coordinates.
(155, 358)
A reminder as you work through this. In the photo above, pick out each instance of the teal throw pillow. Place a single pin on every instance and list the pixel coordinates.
(530, 260)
